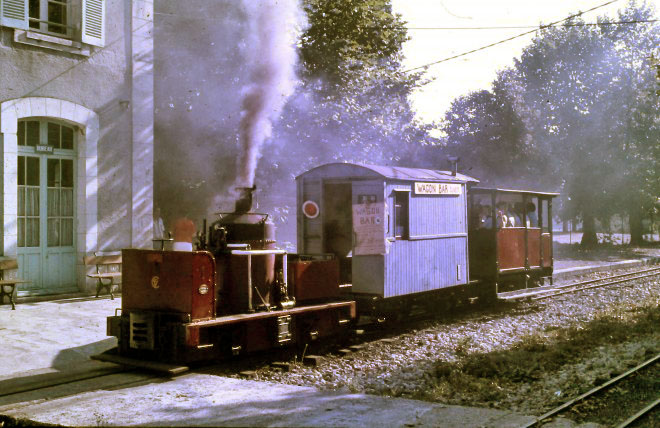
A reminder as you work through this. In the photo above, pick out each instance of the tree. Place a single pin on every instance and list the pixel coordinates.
(352, 104)
(486, 131)
(575, 112)
(582, 86)
(639, 186)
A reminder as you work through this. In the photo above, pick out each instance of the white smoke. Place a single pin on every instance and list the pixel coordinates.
(274, 27)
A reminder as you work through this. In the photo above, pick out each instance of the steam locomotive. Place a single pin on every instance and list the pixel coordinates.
(372, 240)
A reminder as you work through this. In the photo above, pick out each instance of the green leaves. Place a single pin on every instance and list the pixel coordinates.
(576, 113)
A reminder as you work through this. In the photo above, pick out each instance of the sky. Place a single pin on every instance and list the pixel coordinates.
(477, 70)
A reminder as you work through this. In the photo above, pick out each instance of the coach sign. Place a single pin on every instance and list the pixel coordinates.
(369, 229)
(438, 188)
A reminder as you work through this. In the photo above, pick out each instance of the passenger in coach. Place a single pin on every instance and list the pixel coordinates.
(502, 216)
(486, 219)
(532, 218)
(482, 218)
(517, 215)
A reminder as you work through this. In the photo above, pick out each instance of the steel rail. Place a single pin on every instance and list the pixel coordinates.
(547, 296)
(634, 418)
(591, 392)
(591, 281)
(49, 380)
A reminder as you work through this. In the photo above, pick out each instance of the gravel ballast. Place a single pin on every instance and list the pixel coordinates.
(430, 361)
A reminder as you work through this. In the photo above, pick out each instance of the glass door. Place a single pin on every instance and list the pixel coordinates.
(46, 207)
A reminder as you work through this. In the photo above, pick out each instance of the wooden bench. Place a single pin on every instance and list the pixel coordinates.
(108, 268)
(8, 286)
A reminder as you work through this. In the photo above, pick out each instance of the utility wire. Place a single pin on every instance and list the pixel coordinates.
(509, 38)
(584, 24)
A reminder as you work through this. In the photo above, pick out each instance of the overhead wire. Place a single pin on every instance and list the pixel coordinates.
(508, 39)
(584, 24)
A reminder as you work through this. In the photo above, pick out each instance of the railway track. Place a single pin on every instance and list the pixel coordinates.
(376, 330)
(543, 293)
(595, 392)
(15, 392)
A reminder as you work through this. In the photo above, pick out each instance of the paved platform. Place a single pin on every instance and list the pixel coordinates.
(203, 400)
(47, 339)
(50, 340)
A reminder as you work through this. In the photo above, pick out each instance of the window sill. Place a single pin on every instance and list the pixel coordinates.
(51, 42)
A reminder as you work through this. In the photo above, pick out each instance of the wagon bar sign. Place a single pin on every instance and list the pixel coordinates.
(369, 229)
(437, 188)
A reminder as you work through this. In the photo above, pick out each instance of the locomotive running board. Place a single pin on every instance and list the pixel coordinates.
(111, 356)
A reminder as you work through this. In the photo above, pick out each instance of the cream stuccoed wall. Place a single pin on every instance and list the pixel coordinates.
(108, 96)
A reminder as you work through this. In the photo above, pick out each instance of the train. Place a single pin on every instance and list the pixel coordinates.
(372, 241)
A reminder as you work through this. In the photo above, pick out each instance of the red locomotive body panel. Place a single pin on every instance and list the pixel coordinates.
(234, 292)
(314, 279)
(169, 281)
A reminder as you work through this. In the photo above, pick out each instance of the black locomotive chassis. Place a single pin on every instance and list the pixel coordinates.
(172, 339)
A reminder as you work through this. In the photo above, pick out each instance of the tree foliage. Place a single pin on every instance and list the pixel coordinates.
(576, 111)
(352, 104)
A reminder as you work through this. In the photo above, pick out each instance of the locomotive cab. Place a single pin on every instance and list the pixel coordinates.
(162, 290)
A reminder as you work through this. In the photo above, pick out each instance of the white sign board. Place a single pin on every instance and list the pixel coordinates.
(369, 228)
(438, 188)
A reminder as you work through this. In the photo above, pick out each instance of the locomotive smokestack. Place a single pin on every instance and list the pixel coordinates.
(244, 201)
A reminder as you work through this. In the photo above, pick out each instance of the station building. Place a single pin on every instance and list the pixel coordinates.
(76, 135)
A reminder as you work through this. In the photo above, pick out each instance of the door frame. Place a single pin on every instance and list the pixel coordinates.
(86, 122)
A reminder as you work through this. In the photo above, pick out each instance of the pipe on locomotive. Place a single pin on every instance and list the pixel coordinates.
(249, 254)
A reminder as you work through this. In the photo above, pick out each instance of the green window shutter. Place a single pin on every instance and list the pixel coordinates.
(93, 22)
(14, 13)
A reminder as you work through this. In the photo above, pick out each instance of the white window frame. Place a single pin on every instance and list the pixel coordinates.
(86, 21)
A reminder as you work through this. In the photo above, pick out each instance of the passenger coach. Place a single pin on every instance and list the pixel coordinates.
(510, 237)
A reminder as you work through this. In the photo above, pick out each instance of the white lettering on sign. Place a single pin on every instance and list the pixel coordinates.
(438, 189)
(44, 149)
(368, 226)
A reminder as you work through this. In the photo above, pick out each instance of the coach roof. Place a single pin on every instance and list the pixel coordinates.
(348, 170)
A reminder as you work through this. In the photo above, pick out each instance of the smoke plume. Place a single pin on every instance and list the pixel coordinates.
(272, 79)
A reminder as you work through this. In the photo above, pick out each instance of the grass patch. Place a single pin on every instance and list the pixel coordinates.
(484, 378)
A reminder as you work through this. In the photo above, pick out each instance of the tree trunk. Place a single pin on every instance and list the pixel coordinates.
(589, 238)
(636, 228)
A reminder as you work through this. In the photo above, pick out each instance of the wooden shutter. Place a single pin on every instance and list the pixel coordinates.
(14, 13)
(93, 22)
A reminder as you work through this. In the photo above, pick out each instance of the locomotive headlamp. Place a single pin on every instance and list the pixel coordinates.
(203, 289)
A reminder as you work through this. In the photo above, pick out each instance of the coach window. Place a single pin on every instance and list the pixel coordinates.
(545, 214)
(531, 211)
(401, 221)
(481, 211)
